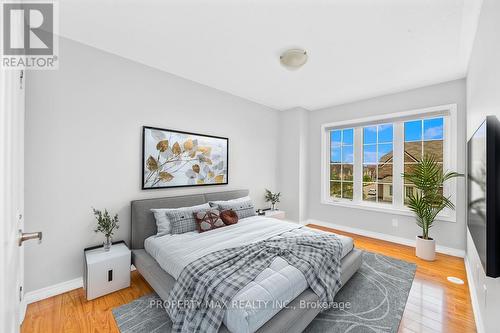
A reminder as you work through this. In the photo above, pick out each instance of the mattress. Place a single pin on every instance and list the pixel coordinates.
(270, 291)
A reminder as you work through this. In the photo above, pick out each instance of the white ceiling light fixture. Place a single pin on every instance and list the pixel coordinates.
(293, 59)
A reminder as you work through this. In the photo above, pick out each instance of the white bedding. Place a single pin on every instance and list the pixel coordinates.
(279, 283)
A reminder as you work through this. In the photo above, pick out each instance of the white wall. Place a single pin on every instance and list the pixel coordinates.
(292, 154)
(83, 148)
(448, 234)
(483, 98)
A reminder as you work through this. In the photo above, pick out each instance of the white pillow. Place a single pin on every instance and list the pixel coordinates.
(162, 221)
(214, 203)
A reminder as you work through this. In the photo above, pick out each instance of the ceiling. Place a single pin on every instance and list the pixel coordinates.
(357, 48)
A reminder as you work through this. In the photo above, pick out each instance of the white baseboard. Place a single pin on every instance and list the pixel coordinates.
(390, 238)
(56, 289)
(474, 297)
(43, 293)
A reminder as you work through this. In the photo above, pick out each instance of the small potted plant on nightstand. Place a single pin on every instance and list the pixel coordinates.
(427, 200)
(273, 198)
(106, 224)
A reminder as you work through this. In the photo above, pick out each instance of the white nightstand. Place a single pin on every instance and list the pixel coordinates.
(106, 271)
(277, 214)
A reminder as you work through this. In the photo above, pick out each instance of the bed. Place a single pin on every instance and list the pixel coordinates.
(160, 259)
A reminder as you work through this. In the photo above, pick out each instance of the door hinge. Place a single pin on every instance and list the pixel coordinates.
(20, 293)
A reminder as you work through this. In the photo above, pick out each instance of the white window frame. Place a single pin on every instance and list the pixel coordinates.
(450, 162)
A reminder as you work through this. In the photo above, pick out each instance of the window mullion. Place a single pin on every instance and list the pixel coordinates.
(398, 165)
(358, 165)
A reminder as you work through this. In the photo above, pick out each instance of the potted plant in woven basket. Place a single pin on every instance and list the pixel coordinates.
(427, 200)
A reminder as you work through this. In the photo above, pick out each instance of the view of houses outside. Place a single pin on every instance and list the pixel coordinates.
(377, 163)
(341, 163)
(423, 136)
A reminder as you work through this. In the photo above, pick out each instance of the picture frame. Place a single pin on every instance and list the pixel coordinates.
(173, 159)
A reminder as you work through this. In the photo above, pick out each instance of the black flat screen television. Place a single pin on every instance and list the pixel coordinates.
(483, 187)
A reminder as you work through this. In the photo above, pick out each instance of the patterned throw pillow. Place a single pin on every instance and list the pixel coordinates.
(243, 207)
(229, 217)
(182, 220)
(208, 220)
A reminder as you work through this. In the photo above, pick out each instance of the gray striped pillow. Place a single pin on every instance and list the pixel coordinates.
(182, 220)
(243, 207)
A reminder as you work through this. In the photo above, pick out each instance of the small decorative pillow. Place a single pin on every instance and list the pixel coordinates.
(208, 220)
(182, 219)
(243, 206)
(229, 217)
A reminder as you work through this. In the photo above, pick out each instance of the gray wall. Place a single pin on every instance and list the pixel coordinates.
(292, 162)
(450, 234)
(83, 148)
(483, 98)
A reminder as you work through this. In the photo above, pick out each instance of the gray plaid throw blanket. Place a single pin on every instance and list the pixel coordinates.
(199, 299)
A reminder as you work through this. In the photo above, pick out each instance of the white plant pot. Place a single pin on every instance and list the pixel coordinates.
(426, 248)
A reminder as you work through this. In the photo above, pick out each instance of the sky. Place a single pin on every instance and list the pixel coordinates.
(377, 139)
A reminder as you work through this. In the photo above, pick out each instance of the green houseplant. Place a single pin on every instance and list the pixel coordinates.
(273, 198)
(106, 224)
(427, 199)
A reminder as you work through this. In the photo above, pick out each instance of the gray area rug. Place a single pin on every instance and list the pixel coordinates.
(373, 300)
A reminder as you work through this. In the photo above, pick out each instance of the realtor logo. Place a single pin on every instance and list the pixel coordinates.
(28, 36)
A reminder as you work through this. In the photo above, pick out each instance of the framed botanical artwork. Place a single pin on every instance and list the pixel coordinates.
(174, 159)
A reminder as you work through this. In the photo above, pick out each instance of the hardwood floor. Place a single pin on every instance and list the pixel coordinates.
(434, 304)
(71, 312)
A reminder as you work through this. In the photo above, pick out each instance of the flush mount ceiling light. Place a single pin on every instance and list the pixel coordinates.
(293, 59)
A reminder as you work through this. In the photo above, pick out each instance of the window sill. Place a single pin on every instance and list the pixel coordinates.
(383, 208)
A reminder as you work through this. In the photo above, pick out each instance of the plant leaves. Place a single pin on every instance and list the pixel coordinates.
(196, 168)
(166, 177)
(190, 174)
(219, 165)
(205, 150)
(176, 149)
(192, 154)
(204, 159)
(211, 174)
(219, 179)
(152, 164)
(188, 145)
(428, 200)
(162, 145)
(158, 135)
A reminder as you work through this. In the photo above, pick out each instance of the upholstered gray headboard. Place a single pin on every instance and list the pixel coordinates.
(143, 221)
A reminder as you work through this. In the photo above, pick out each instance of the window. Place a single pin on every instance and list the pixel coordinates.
(341, 163)
(377, 163)
(364, 158)
(422, 137)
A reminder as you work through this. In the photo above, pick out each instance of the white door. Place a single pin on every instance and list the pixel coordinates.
(11, 197)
